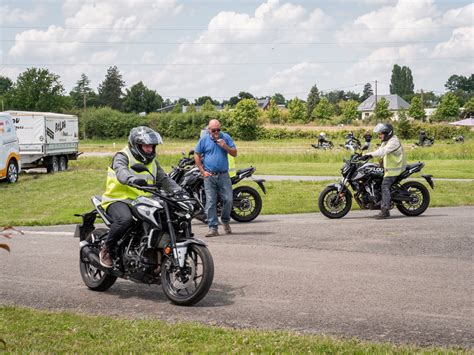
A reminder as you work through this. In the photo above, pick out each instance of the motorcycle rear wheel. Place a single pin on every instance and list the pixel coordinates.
(328, 205)
(190, 288)
(247, 204)
(94, 278)
(419, 199)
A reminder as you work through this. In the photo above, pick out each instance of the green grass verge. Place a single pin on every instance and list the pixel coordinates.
(455, 169)
(45, 199)
(27, 331)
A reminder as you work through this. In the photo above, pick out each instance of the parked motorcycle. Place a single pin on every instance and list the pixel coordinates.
(458, 139)
(324, 145)
(247, 203)
(365, 179)
(427, 142)
(159, 248)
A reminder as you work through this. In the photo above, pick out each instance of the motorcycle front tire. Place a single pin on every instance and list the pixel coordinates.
(326, 203)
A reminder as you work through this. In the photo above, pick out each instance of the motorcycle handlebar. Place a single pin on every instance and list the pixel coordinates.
(162, 194)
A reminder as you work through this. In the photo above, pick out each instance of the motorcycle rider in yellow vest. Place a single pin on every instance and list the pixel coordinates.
(141, 149)
(394, 163)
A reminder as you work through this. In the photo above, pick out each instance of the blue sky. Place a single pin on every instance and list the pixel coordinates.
(190, 48)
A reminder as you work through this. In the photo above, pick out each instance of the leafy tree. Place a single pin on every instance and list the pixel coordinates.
(468, 108)
(208, 106)
(381, 111)
(202, 100)
(367, 92)
(279, 99)
(183, 101)
(448, 108)
(404, 126)
(324, 110)
(416, 109)
(191, 108)
(82, 95)
(178, 108)
(245, 119)
(296, 110)
(461, 86)
(312, 100)
(349, 110)
(110, 90)
(401, 82)
(141, 99)
(37, 90)
(5, 84)
(273, 113)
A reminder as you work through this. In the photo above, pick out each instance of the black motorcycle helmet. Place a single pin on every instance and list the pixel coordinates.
(143, 135)
(386, 129)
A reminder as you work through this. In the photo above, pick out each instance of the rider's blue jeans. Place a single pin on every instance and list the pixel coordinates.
(218, 185)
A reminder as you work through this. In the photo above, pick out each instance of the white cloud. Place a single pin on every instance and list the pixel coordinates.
(295, 80)
(232, 27)
(461, 44)
(405, 21)
(462, 16)
(15, 16)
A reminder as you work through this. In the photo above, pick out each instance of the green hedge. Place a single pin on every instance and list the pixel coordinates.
(102, 123)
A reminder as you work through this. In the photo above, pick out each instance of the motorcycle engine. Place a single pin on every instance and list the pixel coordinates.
(139, 261)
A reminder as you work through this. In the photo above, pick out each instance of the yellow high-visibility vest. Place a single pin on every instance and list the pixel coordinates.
(394, 162)
(116, 191)
(232, 170)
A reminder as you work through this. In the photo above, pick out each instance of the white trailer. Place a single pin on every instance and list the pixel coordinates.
(46, 139)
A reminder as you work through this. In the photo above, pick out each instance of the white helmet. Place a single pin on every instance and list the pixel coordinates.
(322, 135)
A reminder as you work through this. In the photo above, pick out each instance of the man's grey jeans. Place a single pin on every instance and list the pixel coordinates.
(387, 183)
(218, 185)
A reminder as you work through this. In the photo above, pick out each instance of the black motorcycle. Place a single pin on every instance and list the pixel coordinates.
(323, 145)
(247, 203)
(159, 248)
(365, 179)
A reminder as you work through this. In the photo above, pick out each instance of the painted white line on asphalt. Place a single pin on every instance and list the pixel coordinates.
(47, 232)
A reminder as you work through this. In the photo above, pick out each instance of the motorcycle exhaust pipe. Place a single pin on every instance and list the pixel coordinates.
(88, 254)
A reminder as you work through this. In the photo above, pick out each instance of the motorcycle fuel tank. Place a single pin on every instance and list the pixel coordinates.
(369, 170)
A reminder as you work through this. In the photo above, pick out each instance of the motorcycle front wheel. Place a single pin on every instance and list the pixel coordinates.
(419, 199)
(247, 204)
(188, 285)
(93, 277)
(333, 206)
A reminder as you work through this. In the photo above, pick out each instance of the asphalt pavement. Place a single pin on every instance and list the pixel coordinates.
(404, 280)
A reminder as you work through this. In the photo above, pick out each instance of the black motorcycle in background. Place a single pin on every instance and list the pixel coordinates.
(247, 203)
(365, 179)
(159, 248)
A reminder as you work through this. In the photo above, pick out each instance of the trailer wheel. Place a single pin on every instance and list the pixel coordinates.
(53, 165)
(62, 163)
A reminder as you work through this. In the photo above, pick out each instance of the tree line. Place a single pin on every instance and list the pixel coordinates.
(38, 89)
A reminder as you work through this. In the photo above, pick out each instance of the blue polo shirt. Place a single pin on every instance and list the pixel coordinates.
(214, 156)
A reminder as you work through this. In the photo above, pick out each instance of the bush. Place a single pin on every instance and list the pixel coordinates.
(245, 120)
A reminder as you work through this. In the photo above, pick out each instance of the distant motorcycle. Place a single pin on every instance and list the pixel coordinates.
(458, 139)
(247, 203)
(365, 179)
(352, 144)
(324, 145)
(427, 142)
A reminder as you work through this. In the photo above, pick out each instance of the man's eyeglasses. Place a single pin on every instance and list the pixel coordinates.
(214, 130)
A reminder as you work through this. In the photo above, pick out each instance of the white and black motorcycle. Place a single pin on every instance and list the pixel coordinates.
(159, 248)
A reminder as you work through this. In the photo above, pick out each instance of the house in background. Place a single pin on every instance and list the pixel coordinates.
(263, 103)
(395, 104)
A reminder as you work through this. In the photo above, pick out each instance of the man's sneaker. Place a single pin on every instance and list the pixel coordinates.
(383, 214)
(212, 233)
(227, 228)
(105, 257)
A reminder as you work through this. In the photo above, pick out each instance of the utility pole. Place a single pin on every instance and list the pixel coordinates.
(375, 92)
(422, 101)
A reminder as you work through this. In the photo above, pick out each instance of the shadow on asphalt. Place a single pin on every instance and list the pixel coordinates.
(219, 295)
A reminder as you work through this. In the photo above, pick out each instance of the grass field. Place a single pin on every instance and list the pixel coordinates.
(45, 199)
(30, 331)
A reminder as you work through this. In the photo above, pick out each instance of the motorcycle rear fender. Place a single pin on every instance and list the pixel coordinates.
(260, 183)
(429, 180)
(182, 248)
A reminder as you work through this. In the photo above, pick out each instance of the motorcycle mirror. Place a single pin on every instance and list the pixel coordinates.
(140, 168)
(191, 152)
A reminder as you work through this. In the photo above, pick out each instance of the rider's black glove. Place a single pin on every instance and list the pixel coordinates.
(366, 157)
(139, 182)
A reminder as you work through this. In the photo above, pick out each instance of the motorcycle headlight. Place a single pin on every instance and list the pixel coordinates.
(345, 168)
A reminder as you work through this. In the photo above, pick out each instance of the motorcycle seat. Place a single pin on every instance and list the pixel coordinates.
(414, 165)
(243, 171)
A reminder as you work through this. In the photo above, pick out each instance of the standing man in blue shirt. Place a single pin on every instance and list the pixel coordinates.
(211, 159)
